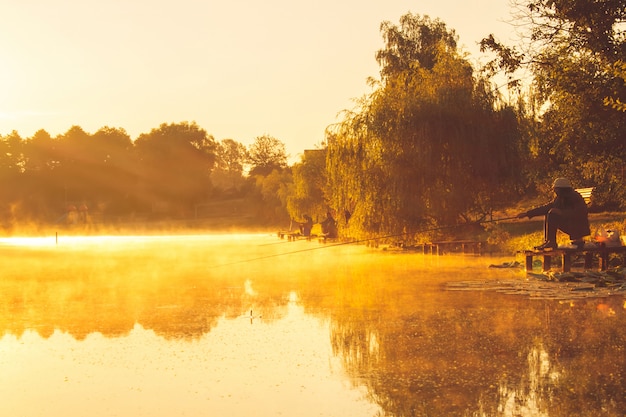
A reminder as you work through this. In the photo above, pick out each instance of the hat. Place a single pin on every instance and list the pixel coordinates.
(562, 183)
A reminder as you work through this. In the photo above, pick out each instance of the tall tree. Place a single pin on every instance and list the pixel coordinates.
(266, 154)
(575, 50)
(269, 196)
(427, 146)
(12, 153)
(231, 157)
(114, 173)
(41, 153)
(43, 193)
(174, 163)
(11, 167)
(270, 180)
(418, 39)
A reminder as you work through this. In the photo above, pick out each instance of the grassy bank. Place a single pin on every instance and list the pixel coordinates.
(518, 235)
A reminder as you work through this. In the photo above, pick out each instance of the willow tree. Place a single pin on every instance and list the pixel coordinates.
(427, 147)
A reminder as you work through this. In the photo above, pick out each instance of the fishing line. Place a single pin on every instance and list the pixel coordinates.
(332, 245)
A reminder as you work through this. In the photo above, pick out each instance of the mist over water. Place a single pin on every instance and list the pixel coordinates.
(247, 324)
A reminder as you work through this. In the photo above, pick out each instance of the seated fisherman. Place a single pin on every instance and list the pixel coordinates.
(306, 226)
(567, 212)
(329, 226)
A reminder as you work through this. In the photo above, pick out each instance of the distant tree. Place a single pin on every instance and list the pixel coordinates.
(270, 196)
(266, 154)
(228, 174)
(309, 186)
(113, 172)
(174, 164)
(270, 180)
(74, 173)
(11, 168)
(75, 168)
(43, 192)
(41, 153)
(12, 153)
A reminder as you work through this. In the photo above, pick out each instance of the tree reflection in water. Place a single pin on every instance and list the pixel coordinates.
(422, 351)
(525, 399)
(418, 349)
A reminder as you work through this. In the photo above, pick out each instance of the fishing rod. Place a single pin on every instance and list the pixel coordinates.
(331, 245)
(497, 220)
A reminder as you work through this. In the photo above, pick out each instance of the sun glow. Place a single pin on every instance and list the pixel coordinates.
(27, 241)
(99, 240)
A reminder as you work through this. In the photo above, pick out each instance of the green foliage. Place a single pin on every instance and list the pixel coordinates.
(590, 24)
(174, 163)
(272, 190)
(113, 166)
(575, 51)
(496, 234)
(231, 157)
(418, 39)
(309, 186)
(163, 173)
(266, 154)
(271, 179)
(427, 146)
(618, 70)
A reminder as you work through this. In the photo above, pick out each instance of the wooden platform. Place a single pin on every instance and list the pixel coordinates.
(467, 247)
(601, 252)
(325, 239)
(292, 236)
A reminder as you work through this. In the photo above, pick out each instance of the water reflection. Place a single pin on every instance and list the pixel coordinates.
(242, 367)
(484, 354)
(526, 398)
(191, 326)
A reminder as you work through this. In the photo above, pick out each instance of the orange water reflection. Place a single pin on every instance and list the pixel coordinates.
(237, 369)
(245, 325)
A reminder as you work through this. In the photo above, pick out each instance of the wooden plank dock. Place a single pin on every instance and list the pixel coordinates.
(466, 247)
(292, 236)
(601, 252)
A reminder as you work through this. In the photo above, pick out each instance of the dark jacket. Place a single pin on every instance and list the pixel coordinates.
(574, 212)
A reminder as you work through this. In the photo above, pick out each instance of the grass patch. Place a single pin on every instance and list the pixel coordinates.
(520, 235)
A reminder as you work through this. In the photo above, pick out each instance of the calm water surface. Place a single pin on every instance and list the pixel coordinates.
(248, 325)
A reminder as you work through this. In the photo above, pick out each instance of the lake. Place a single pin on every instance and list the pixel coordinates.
(250, 325)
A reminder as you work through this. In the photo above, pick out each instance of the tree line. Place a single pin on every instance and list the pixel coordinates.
(436, 141)
(163, 173)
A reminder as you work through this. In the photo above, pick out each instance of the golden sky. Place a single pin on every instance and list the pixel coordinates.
(238, 68)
